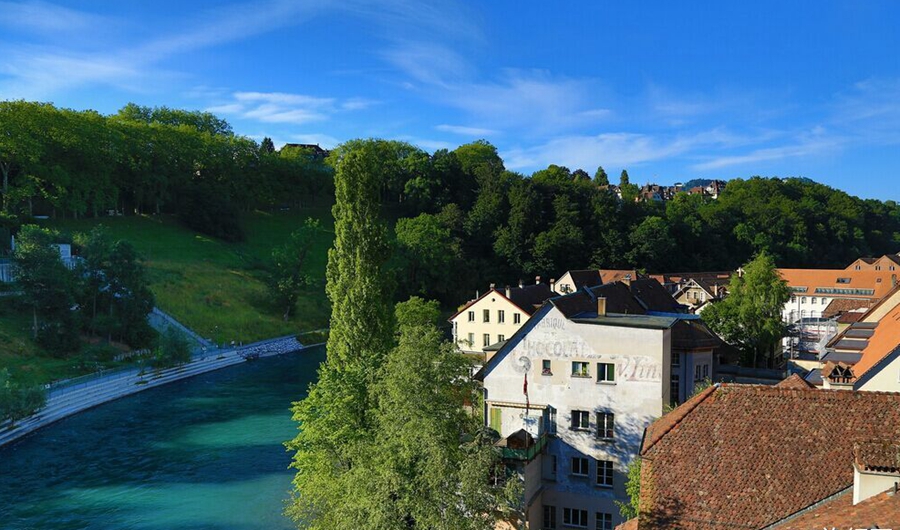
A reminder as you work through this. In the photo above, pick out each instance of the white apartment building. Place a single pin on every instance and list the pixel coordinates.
(584, 382)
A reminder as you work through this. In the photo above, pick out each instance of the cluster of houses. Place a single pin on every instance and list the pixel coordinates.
(655, 192)
(586, 375)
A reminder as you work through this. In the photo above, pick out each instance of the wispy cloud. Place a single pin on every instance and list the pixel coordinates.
(815, 142)
(280, 107)
(43, 17)
(467, 131)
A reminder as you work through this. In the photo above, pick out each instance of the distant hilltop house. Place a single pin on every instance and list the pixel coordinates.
(572, 390)
(712, 190)
(696, 289)
(785, 457)
(314, 149)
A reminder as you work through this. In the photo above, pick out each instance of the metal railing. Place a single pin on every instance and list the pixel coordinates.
(526, 454)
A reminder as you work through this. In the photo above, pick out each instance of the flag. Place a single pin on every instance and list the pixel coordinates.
(525, 391)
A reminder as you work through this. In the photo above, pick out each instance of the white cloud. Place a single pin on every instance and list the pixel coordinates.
(815, 143)
(467, 131)
(281, 107)
(44, 17)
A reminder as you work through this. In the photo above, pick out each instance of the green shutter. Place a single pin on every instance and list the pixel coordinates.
(496, 415)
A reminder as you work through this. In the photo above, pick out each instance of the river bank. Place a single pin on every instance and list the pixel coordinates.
(66, 401)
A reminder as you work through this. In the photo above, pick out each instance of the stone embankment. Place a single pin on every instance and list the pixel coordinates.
(70, 399)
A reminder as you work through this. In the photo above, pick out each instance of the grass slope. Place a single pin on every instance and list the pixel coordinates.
(216, 288)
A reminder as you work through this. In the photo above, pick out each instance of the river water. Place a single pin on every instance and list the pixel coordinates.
(201, 454)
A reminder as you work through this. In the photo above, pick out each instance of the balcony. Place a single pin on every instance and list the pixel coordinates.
(521, 446)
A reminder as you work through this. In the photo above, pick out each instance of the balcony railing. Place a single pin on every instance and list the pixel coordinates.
(526, 454)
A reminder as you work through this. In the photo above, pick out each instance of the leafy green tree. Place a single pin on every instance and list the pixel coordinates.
(632, 508)
(652, 245)
(600, 177)
(173, 349)
(116, 296)
(267, 146)
(48, 289)
(629, 191)
(289, 264)
(428, 251)
(750, 316)
(19, 400)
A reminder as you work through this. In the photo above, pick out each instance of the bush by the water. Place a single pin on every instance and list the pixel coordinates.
(18, 400)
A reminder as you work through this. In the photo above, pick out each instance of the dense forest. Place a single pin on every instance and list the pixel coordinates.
(463, 219)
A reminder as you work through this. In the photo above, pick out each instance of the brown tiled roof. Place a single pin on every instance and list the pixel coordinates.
(879, 282)
(530, 297)
(880, 511)
(878, 455)
(654, 296)
(795, 382)
(839, 306)
(617, 275)
(850, 318)
(618, 300)
(747, 456)
(631, 524)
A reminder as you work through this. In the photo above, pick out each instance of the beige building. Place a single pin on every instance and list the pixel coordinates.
(493, 317)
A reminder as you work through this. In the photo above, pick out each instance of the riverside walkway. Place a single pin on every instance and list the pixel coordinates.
(74, 396)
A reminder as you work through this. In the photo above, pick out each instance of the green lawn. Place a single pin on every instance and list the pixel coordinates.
(213, 287)
(218, 288)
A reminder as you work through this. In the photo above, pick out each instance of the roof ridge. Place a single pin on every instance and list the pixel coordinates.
(688, 407)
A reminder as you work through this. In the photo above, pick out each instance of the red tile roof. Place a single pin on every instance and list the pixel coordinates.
(880, 511)
(862, 284)
(747, 456)
(795, 382)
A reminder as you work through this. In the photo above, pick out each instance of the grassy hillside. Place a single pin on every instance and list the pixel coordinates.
(218, 288)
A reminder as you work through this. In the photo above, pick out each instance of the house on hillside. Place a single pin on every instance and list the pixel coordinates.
(576, 280)
(574, 388)
(494, 316)
(695, 289)
(786, 457)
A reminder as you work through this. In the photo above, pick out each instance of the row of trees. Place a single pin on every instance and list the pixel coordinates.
(466, 221)
(70, 163)
(104, 295)
(388, 437)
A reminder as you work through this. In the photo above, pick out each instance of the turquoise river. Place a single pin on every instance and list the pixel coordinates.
(201, 454)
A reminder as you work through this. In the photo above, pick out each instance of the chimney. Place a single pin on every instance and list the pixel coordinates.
(508, 292)
(521, 283)
(552, 283)
(537, 280)
(493, 286)
(601, 306)
(627, 280)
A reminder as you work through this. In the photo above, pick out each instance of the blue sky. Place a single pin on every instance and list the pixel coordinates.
(670, 92)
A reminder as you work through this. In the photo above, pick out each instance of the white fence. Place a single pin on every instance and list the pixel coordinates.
(8, 273)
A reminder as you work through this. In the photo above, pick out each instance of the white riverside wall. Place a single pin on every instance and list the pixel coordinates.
(69, 401)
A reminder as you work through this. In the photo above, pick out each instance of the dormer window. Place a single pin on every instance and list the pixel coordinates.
(843, 280)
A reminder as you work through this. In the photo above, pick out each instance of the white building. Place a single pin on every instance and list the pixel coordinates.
(584, 377)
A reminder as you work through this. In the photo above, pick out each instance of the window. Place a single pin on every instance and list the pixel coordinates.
(501, 316)
(471, 340)
(486, 315)
(676, 359)
(580, 466)
(517, 318)
(487, 339)
(697, 372)
(705, 371)
(604, 521)
(581, 419)
(580, 369)
(813, 300)
(549, 517)
(675, 389)
(573, 517)
(604, 473)
(553, 465)
(501, 338)
(545, 367)
(891, 267)
(844, 280)
(877, 267)
(471, 316)
(793, 299)
(606, 425)
(802, 301)
(606, 373)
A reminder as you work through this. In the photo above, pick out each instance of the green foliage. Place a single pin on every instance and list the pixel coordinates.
(632, 508)
(18, 400)
(48, 289)
(600, 177)
(173, 349)
(750, 316)
(427, 252)
(290, 267)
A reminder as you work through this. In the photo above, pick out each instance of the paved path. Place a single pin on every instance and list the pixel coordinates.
(74, 398)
